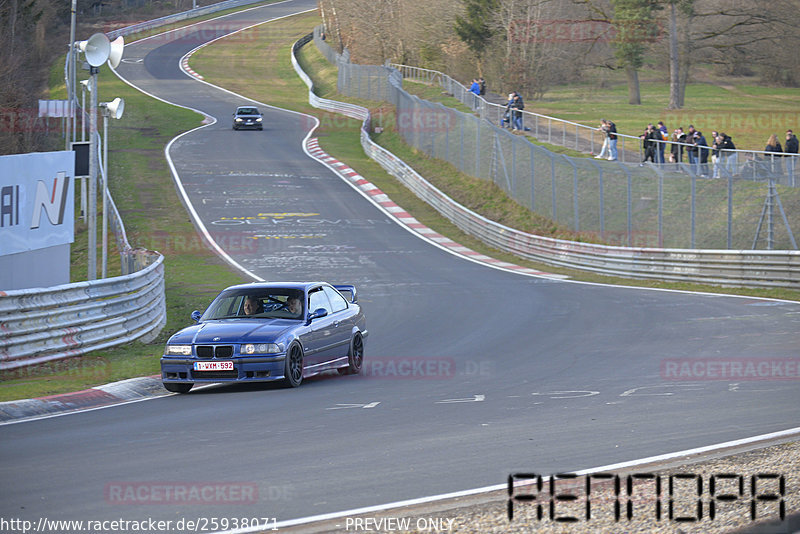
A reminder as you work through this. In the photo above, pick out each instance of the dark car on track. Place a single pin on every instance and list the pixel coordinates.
(263, 332)
(248, 117)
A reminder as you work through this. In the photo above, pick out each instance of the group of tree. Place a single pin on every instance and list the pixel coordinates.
(532, 45)
(33, 35)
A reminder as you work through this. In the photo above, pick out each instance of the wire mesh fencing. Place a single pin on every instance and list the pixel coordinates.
(733, 202)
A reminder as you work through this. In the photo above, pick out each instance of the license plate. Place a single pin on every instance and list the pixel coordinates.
(213, 366)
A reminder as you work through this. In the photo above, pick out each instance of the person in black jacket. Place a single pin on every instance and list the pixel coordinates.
(701, 147)
(649, 143)
(791, 147)
(726, 153)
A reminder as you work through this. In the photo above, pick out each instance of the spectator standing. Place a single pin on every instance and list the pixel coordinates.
(773, 161)
(603, 151)
(612, 140)
(506, 122)
(649, 141)
(676, 150)
(716, 141)
(517, 106)
(662, 143)
(475, 89)
(691, 151)
(482, 85)
(727, 153)
(791, 147)
(701, 146)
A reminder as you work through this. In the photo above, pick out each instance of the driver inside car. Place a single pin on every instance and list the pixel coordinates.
(252, 305)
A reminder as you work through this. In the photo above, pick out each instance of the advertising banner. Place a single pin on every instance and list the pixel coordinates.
(37, 198)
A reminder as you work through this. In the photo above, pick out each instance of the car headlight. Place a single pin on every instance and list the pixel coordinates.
(262, 348)
(179, 350)
(258, 119)
(239, 119)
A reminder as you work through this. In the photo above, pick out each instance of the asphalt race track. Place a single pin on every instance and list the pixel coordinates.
(471, 373)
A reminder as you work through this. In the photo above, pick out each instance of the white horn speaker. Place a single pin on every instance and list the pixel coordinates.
(96, 49)
(116, 107)
(115, 54)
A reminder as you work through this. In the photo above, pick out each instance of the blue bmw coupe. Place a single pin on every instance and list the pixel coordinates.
(262, 332)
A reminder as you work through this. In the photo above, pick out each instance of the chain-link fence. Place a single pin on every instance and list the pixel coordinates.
(750, 205)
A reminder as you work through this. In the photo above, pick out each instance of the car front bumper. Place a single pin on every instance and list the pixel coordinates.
(255, 369)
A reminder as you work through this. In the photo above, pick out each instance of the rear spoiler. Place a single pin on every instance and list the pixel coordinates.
(351, 289)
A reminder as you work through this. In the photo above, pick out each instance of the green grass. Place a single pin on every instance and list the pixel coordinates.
(155, 218)
(748, 114)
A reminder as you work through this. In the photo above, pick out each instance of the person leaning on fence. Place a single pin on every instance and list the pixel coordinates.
(475, 87)
(773, 161)
(603, 151)
(676, 150)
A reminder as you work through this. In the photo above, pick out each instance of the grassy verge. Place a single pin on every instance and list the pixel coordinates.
(155, 218)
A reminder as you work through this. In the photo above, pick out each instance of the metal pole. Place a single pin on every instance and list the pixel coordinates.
(83, 113)
(694, 189)
(73, 75)
(730, 208)
(104, 260)
(92, 201)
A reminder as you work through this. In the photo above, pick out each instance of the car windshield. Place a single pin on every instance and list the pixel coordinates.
(249, 303)
(247, 111)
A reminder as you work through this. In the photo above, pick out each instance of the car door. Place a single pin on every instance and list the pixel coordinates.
(322, 329)
(342, 324)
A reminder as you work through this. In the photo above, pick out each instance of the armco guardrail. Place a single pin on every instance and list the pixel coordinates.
(726, 267)
(45, 324)
(40, 325)
(177, 17)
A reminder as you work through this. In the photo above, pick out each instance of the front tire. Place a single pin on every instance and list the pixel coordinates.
(355, 357)
(178, 388)
(293, 366)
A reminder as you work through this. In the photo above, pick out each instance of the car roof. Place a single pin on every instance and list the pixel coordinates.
(304, 286)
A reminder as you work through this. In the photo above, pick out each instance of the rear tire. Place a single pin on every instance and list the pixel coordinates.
(293, 366)
(355, 357)
(178, 388)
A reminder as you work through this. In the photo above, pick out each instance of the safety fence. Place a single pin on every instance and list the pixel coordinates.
(726, 267)
(664, 206)
(745, 164)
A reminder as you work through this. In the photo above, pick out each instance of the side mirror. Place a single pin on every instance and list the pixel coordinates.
(316, 314)
(196, 316)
